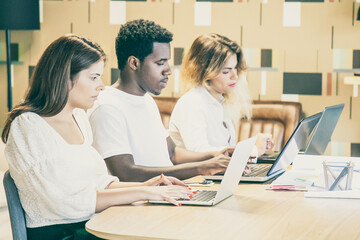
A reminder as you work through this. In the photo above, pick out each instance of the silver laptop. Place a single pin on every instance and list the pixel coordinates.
(230, 179)
(263, 172)
(321, 136)
(315, 136)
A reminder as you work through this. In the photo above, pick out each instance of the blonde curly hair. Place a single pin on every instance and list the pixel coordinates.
(205, 60)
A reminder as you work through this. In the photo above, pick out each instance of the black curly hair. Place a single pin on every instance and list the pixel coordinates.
(136, 38)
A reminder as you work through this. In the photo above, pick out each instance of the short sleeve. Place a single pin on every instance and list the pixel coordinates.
(28, 143)
(110, 131)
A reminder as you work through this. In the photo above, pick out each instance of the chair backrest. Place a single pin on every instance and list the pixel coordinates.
(275, 117)
(166, 106)
(16, 212)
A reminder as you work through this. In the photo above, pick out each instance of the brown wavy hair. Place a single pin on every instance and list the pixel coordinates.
(58, 66)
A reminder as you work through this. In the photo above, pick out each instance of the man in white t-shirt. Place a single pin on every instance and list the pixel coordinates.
(126, 123)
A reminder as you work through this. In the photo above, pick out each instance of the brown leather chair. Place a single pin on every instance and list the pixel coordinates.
(275, 117)
(166, 105)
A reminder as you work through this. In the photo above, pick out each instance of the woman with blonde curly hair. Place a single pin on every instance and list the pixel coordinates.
(203, 118)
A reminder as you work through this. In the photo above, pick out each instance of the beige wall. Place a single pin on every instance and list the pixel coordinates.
(299, 49)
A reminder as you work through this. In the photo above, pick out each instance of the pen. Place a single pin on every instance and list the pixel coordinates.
(287, 187)
(282, 185)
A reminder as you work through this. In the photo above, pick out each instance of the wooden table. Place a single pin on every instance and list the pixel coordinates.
(252, 213)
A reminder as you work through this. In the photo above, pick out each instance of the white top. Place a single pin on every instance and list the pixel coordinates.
(123, 123)
(199, 123)
(56, 181)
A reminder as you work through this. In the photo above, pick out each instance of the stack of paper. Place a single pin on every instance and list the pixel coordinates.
(294, 180)
(307, 174)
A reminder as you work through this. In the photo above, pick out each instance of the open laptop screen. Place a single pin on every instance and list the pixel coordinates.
(322, 133)
(295, 142)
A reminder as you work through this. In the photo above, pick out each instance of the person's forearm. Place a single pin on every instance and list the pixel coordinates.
(124, 168)
(182, 155)
(124, 184)
(110, 197)
(141, 173)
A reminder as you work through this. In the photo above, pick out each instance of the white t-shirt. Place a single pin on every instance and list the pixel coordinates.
(199, 123)
(56, 181)
(123, 123)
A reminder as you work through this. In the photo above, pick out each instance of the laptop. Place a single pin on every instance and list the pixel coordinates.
(315, 137)
(321, 135)
(262, 172)
(230, 179)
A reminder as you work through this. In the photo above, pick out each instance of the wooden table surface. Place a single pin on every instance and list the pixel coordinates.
(252, 213)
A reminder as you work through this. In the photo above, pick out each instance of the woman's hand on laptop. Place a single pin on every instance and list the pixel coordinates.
(168, 193)
(163, 180)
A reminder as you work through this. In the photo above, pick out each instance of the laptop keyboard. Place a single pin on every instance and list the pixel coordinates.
(257, 169)
(203, 196)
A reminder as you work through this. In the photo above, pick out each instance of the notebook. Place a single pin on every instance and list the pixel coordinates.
(264, 172)
(321, 135)
(230, 179)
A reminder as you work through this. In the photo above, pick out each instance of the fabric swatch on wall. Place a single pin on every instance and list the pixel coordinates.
(266, 57)
(343, 59)
(252, 57)
(202, 13)
(178, 56)
(117, 13)
(355, 149)
(263, 83)
(214, 0)
(249, 55)
(339, 59)
(291, 14)
(130, 0)
(304, 0)
(302, 83)
(14, 52)
(290, 97)
(31, 70)
(337, 148)
(328, 84)
(356, 59)
(115, 74)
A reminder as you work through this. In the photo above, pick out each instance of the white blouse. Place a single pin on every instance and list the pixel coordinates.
(199, 123)
(56, 181)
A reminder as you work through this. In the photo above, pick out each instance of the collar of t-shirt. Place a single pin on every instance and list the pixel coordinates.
(134, 99)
